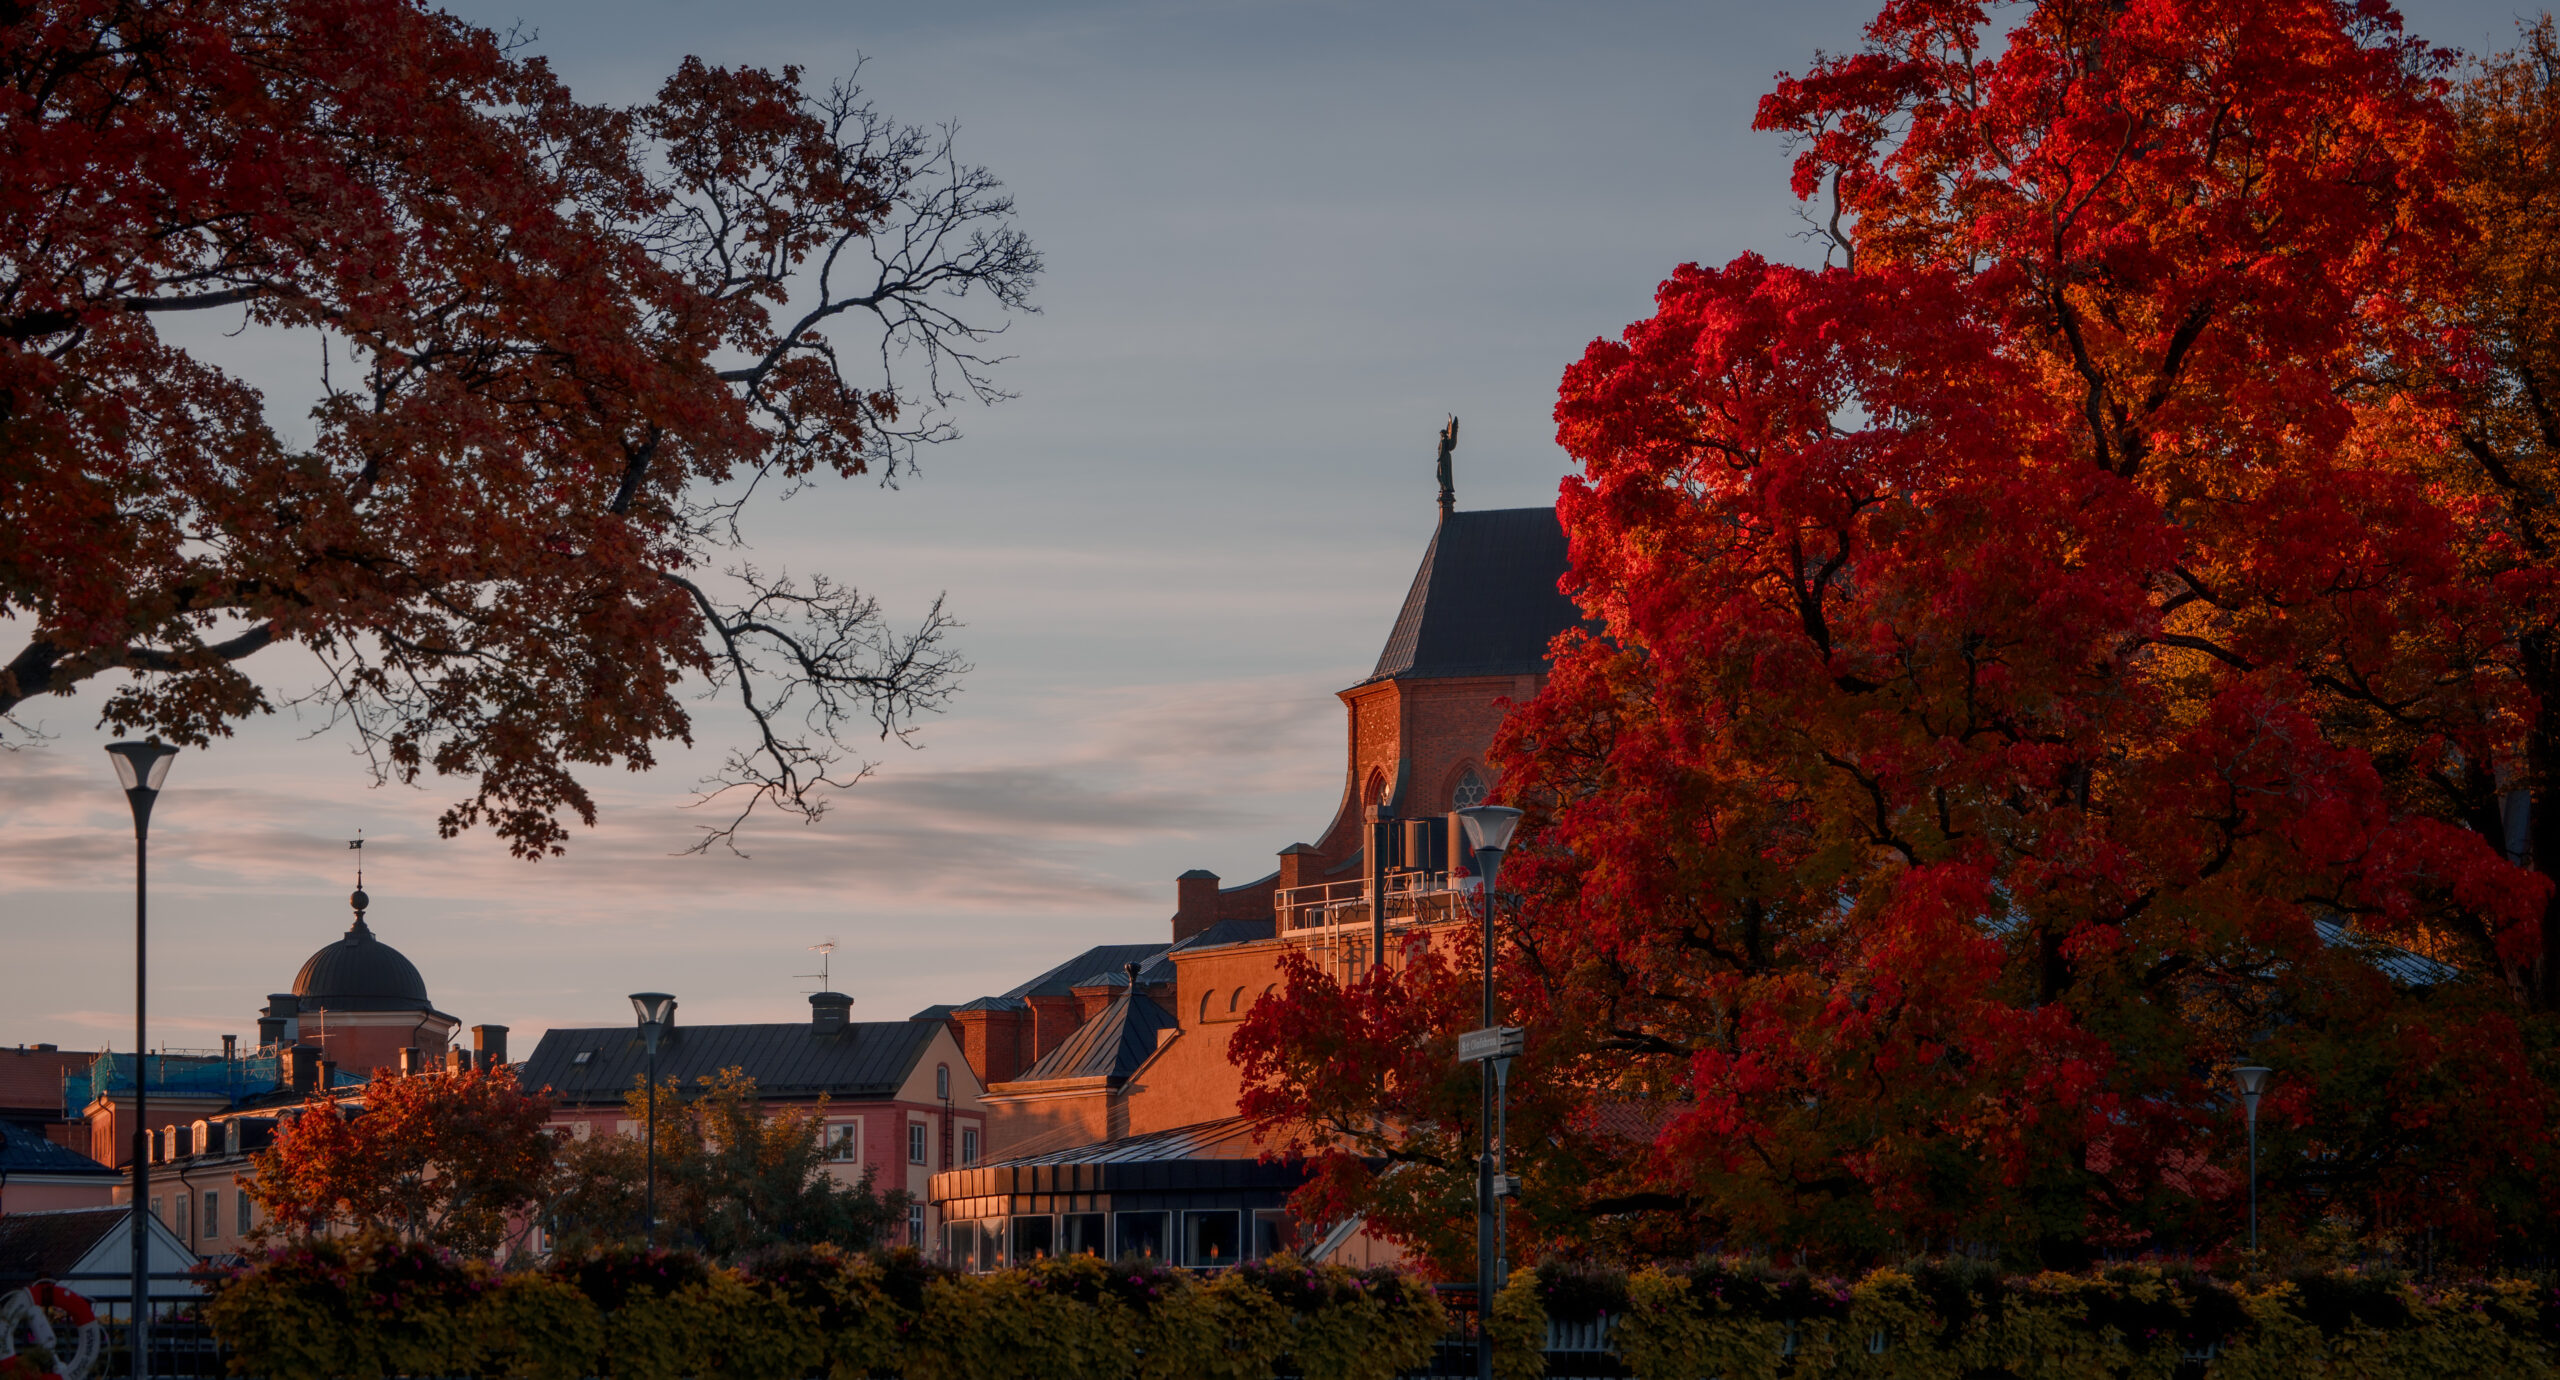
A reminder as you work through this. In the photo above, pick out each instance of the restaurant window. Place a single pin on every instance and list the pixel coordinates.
(1140, 1233)
(960, 1246)
(991, 1244)
(1081, 1233)
(1034, 1238)
(1210, 1239)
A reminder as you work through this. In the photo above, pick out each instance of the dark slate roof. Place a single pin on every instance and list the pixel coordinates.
(1226, 932)
(1080, 970)
(34, 1245)
(1111, 1045)
(1485, 601)
(990, 1004)
(24, 1150)
(360, 973)
(867, 1060)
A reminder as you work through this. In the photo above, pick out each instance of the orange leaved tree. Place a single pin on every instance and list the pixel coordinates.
(453, 1160)
(2078, 639)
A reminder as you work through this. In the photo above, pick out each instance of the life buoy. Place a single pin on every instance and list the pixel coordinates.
(32, 1308)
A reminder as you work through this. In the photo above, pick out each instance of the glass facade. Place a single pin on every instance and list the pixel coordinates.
(1139, 1233)
(1212, 1239)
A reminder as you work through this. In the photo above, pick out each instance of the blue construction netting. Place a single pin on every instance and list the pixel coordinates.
(182, 1075)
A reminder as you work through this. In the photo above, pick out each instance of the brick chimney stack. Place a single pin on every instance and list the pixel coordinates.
(489, 1045)
(1195, 903)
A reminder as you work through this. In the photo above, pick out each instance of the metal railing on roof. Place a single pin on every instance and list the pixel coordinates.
(1413, 898)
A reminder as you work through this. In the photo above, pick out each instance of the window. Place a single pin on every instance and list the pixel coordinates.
(991, 1234)
(1141, 1233)
(581, 1130)
(1034, 1238)
(915, 1142)
(1235, 999)
(915, 1225)
(1272, 1233)
(212, 1213)
(1469, 792)
(1080, 1233)
(1210, 1239)
(582, 1056)
(942, 1081)
(1204, 1004)
(844, 1141)
(960, 1246)
(180, 1226)
(243, 1213)
(157, 1210)
(968, 1145)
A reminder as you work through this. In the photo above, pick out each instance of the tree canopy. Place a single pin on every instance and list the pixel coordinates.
(2094, 630)
(449, 1160)
(558, 348)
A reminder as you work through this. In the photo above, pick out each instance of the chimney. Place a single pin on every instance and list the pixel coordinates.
(328, 1074)
(829, 1012)
(488, 1046)
(412, 1062)
(457, 1060)
(1195, 903)
(1300, 865)
(277, 1025)
(303, 1064)
(230, 1048)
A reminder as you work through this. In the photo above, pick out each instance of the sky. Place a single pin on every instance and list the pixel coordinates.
(1284, 240)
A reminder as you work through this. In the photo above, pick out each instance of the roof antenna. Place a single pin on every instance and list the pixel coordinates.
(821, 949)
(1448, 480)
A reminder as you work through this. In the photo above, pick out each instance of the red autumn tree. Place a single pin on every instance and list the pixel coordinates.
(454, 1160)
(2057, 650)
(558, 346)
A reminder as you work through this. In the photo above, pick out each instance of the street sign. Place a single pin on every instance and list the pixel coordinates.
(1499, 1042)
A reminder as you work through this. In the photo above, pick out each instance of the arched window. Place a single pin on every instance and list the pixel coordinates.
(1375, 790)
(1468, 792)
(942, 1081)
(1204, 1004)
(1236, 999)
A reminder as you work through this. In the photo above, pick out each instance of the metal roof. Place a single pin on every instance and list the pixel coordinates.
(1211, 1156)
(1228, 1139)
(1080, 970)
(1120, 1037)
(360, 973)
(2401, 965)
(867, 1060)
(1485, 601)
(24, 1150)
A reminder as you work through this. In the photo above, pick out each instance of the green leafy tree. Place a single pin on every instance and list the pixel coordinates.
(734, 1177)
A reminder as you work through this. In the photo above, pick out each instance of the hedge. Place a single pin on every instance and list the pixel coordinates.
(1741, 1321)
(367, 1310)
(370, 1310)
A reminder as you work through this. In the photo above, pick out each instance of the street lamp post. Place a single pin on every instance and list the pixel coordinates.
(140, 768)
(2252, 1079)
(657, 1011)
(1489, 829)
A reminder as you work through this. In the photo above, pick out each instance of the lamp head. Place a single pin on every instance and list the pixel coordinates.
(654, 1008)
(2252, 1079)
(1489, 827)
(141, 766)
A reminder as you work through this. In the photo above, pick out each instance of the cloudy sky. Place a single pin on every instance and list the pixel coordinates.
(1284, 239)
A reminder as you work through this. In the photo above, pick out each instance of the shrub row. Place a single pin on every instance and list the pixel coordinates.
(367, 1310)
(1742, 1321)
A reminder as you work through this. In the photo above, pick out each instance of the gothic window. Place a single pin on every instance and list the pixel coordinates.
(1468, 792)
(1376, 789)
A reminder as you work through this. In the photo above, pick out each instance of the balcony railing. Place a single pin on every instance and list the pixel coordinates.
(1413, 898)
